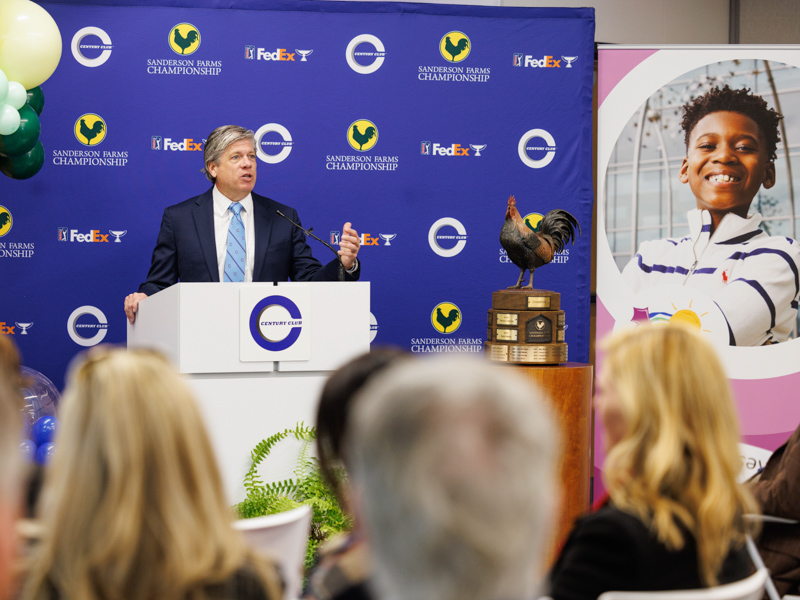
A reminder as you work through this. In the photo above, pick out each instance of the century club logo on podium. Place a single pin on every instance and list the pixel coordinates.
(276, 323)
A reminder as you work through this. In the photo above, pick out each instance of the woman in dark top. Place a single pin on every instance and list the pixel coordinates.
(674, 517)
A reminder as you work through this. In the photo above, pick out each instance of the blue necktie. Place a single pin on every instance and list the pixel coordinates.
(235, 253)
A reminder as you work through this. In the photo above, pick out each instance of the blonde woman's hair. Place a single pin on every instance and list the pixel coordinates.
(132, 505)
(678, 459)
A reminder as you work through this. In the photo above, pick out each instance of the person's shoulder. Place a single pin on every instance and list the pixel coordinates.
(189, 204)
(271, 204)
(610, 520)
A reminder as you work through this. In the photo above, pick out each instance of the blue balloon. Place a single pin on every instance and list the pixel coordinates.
(44, 429)
(45, 453)
(28, 449)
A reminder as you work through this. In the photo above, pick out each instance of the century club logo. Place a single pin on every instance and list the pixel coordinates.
(446, 317)
(536, 148)
(81, 47)
(545, 62)
(354, 49)
(87, 326)
(455, 46)
(441, 237)
(90, 129)
(373, 328)
(436, 149)
(180, 145)
(271, 137)
(6, 221)
(65, 234)
(276, 323)
(184, 39)
(362, 135)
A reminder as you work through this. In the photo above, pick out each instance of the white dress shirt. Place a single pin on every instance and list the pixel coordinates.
(222, 220)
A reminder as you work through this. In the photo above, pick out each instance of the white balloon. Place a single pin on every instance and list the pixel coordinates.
(30, 42)
(9, 119)
(3, 87)
(17, 96)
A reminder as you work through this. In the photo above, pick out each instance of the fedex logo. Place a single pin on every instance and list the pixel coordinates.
(452, 150)
(74, 236)
(279, 54)
(6, 329)
(544, 62)
(187, 145)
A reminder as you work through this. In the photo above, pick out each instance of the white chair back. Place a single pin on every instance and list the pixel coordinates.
(751, 588)
(284, 538)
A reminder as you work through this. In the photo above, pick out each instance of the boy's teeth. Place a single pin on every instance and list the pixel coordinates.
(723, 178)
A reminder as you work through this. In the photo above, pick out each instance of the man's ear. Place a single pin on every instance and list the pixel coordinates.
(683, 174)
(212, 169)
(769, 175)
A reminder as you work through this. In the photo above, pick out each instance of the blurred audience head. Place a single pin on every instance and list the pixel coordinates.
(672, 438)
(11, 464)
(333, 412)
(453, 460)
(132, 506)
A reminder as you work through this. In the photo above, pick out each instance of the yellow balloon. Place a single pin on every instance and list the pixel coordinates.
(30, 42)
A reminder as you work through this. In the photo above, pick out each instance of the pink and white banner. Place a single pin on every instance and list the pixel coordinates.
(641, 92)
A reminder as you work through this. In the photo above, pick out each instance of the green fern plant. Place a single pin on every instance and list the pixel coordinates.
(306, 488)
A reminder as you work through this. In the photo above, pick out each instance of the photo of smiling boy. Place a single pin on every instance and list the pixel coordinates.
(731, 139)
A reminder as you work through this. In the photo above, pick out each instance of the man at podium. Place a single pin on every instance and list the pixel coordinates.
(230, 233)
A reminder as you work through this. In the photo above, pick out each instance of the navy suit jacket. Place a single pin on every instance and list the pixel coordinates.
(186, 248)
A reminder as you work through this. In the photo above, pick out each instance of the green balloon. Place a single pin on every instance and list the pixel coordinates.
(24, 138)
(25, 166)
(36, 99)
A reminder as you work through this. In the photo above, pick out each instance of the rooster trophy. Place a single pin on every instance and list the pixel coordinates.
(529, 249)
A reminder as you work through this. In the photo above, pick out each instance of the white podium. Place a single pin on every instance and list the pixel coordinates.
(257, 355)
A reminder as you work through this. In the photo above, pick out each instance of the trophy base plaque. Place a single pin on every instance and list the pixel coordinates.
(526, 327)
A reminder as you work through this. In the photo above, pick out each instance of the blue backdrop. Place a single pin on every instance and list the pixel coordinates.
(510, 112)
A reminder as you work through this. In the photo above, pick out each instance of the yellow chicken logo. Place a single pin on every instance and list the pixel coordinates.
(532, 220)
(90, 129)
(446, 317)
(184, 39)
(362, 135)
(455, 46)
(6, 221)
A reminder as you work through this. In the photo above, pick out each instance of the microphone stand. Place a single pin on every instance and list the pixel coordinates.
(308, 232)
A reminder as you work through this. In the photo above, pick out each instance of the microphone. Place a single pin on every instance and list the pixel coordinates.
(308, 232)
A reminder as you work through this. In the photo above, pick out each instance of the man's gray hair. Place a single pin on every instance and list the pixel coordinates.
(454, 460)
(218, 140)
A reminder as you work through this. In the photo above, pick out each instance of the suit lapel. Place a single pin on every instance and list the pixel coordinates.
(262, 222)
(204, 221)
